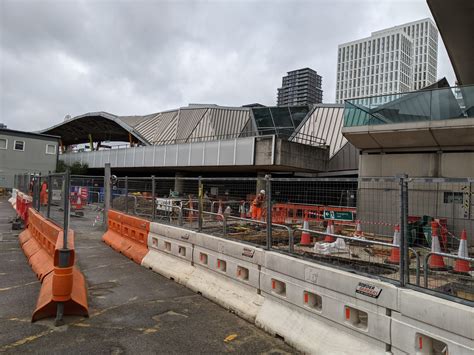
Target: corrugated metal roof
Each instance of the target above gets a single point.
(228, 121)
(187, 122)
(204, 130)
(326, 122)
(165, 130)
(147, 127)
(133, 121)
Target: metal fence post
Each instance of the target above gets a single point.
(50, 194)
(126, 194)
(200, 195)
(107, 193)
(64, 252)
(38, 198)
(268, 193)
(403, 230)
(153, 198)
(405, 251)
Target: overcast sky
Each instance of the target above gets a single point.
(140, 57)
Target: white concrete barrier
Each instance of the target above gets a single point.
(309, 334)
(169, 266)
(316, 308)
(340, 281)
(224, 271)
(358, 316)
(428, 324)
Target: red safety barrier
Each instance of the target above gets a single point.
(287, 213)
(127, 235)
(23, 203)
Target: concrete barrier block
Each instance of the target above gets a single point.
(357, 315)
(406, 334)
(232, 248)
(176, 247)
(311, 335)
(444, 314)
(236, 297)
(241, 271)
(334, 279)
(169, 266)
(173, 232)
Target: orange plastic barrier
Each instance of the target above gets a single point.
(127, 235)
(135, 230)
(112, 236)
(41, 242)
(65, 284)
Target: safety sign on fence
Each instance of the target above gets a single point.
(339, 215)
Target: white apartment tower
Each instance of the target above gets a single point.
(398, 59)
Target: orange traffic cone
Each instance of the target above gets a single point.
(395, 254)
(462, 266)
(358, 232)
(329, 230)
(305, 236)
(436, 261)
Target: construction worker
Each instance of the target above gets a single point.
(257, 205)
(44, 194)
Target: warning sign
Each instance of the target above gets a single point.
(368, 290)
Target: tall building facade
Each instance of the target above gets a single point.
(398, 59)
(300, 87)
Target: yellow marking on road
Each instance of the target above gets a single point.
(25, 340)
(16, 286)
(21, 320)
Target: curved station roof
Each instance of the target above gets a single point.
(314, 125)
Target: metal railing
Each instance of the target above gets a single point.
(288, 134)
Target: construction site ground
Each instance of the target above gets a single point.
(132, 309)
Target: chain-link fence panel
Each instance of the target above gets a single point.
(441, 222)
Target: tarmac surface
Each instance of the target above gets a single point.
(132, 309)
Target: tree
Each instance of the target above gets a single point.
(76, 168)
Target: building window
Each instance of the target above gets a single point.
(19, 145)
(50, 149)
(3, 143)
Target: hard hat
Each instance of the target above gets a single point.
(262, 192)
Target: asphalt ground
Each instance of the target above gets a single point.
(132, 309)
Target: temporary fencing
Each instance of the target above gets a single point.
(350, 221)
(283, 275)
(47, 195)
(49, 248)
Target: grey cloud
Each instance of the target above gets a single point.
(138, 57)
